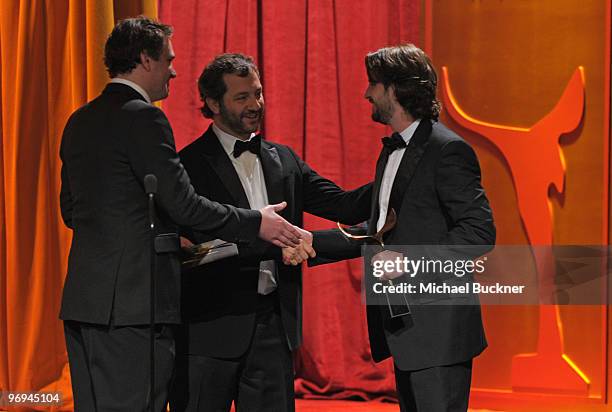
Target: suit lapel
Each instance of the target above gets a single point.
(409, 163)
(219, 161)
(273, 172)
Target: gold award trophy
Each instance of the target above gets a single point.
(397, 302)
(207, 252)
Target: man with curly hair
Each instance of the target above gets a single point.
(243, 317)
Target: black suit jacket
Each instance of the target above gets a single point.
(220, 298)
(440, 201)
(107, 148)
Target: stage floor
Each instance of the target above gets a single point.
(303, 405)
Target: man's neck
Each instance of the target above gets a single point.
(400, 121)
(134, 78)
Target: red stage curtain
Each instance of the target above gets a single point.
(311, 57)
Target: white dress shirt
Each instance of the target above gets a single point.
(133, 86)
(249, 170)
(393, 163)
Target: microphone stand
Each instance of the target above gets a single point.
(150, 183)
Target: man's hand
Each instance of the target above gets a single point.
(305, 235)
(296, 255)
(185, 242)
(186, 245)
(275, 229)
(389, 255)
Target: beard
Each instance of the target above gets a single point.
(381, 112)
(236, 121)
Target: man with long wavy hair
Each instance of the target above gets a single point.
(430, 177)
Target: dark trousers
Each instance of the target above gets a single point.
(437, 389)
(259, 380)
(109, 366)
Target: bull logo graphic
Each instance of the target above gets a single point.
(536, 163)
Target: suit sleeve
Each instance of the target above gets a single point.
(463, 198)
(151, 150)
(325, 199)
(332, 246)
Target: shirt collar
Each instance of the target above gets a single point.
(408, 132)
(134, 86)
(227, 140)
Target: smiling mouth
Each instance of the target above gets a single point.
(252, 116)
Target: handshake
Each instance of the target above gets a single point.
(295, 255)
(296, 242)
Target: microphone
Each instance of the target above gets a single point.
(150, 184)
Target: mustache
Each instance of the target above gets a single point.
(252, 112)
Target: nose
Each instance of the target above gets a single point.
(366, 94)
(256, 103)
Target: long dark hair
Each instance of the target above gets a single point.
(409, 71)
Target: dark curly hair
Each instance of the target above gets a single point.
(129, 38)
(211, 83)
(409, 71)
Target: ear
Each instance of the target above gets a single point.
(145, 61)
(391, 93)
(213, 105)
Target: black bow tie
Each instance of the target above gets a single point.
(394, 142)
(253, 146)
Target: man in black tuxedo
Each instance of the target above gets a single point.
(244, 315)
(108, 147)
(431, 178)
